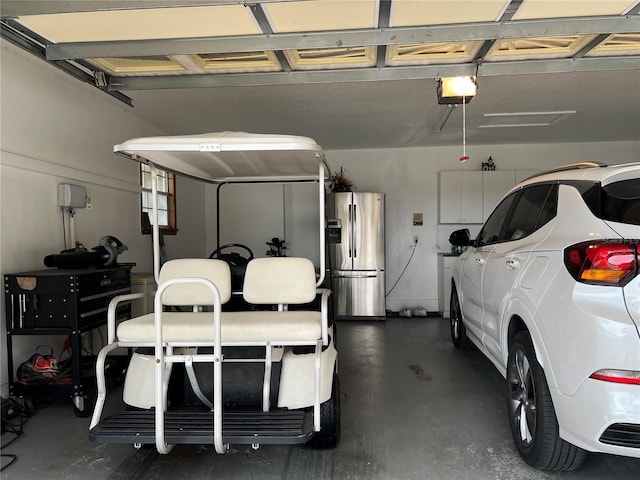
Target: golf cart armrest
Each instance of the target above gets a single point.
(111, 312)
(324, 308)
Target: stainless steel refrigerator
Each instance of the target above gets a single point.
(355, 222)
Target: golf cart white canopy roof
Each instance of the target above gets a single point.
(231, 156)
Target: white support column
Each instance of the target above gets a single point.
(266, 387)
(155, 227)
(316, 403)
(321, 195)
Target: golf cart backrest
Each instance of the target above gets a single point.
(217, 271)
(280, 280)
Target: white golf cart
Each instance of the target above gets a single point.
(204, 373)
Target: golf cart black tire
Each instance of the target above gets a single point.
(329, 434)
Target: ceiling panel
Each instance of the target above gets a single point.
(139, 66)
(571, 8)
(330, 58)
(430, 53)
(321, 15)
(239, 62)
(618, 44)
(439, 12)
(141, 24)
(542, 47)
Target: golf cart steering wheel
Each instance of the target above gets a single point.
(237, 263)
(232, 258)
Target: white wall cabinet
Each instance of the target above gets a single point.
(524, 174)
(461, 197)
(470, 197)
(494, 185)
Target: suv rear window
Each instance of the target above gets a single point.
(615, 202)
(536, 206)
(520, 214)
(621, 201)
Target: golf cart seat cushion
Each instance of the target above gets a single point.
(217, 271)
(197, 327)
(280, 280)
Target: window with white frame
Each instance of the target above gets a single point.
(166, 200)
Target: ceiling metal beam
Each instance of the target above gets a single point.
(384, 15)
(375, 74)
(511, 9)
(263, 22)
(591, 45)
(487, 45)
(17, 8)
(347, 38)
(634, 10)
(33, 44)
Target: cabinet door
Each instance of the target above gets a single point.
(471, 197)
(450, 200)
(494, 185)
(461, 197)
(524, 174)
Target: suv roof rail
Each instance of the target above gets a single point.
(571, 166)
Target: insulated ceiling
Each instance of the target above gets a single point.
(352, 73)
(159, 44)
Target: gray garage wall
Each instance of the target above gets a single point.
(253, 214)
(56, 129)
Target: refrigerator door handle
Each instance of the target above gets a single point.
(350, 231)
(355, 221)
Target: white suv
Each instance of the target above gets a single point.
(549, 291)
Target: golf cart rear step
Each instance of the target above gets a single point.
(196, 428)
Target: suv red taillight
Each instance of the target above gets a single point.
(617, 376)
(603, 262)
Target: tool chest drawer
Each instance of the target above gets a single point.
(62, 299)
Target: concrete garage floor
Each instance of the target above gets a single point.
(413, 408)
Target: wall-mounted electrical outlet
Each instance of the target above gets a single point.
(89, 204)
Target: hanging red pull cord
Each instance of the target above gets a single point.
(464, 156)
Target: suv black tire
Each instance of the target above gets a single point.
(458, 330)
(527, 392)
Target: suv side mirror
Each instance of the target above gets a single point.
(460, 238)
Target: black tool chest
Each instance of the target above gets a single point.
(66, 302)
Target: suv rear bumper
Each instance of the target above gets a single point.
(601, 417)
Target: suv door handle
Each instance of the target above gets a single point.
(512, 263)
